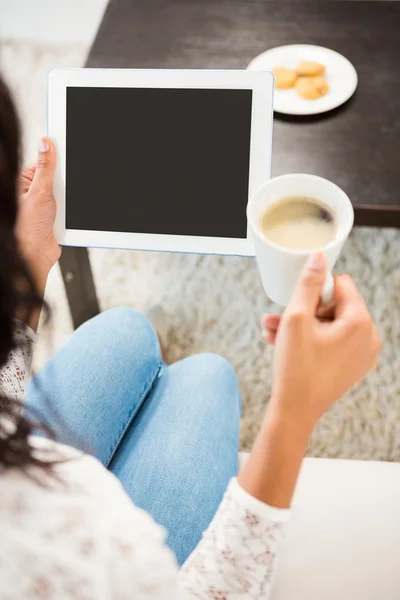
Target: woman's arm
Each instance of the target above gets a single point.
(36, 216)
(314, 364)
(274, 464)
(39, 249)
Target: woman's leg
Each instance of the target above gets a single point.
(177, 453)
(91, 389)
(182, 448)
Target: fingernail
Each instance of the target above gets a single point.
(316, 262)
(44, 145)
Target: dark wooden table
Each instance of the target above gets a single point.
(357, 145)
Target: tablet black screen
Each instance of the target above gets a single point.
(168, 161)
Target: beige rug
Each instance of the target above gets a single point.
(215, 303)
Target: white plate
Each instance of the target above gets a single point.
(340, 74)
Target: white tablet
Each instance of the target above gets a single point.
(159, 159)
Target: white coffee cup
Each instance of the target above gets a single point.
(280, 267)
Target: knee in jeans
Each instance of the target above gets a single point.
(128, 331)
(221, 375)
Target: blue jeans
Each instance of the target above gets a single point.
(169, 433)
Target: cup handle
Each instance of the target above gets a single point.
(327, 290)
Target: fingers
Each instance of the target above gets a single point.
(306, 296)
(271, 321)
(326, 312)
(270, 337)
(28, 172)
(270, 325)
(352, 317)
(45, 166)
(376, 340)
(348, 299)
(345, 289)
(347, 312)
(26, 178)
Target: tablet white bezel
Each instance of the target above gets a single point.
(260, 148)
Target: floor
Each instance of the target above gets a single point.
(51, 21)
(214, 303)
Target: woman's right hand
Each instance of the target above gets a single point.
(316, 361)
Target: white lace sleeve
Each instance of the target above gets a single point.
(14, 373)
(236, 558)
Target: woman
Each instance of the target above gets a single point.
(169, 434)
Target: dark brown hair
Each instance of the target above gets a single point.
(18, 294)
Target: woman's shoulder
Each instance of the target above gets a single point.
(75, 523)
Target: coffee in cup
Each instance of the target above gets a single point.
(298, 223)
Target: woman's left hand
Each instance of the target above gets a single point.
(37, 212)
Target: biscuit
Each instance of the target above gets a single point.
(311, 88)
(310, 68)
(284, 78)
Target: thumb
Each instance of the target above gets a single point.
(45, 166)
(306, 296)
